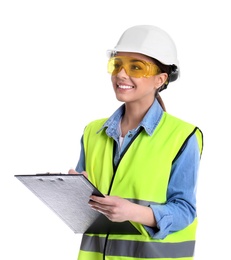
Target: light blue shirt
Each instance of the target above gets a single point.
(180, 208)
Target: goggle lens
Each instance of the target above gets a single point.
(132, 66)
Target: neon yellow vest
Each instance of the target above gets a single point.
(142, 176)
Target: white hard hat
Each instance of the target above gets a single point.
(148, 40)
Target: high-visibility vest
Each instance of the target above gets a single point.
(142, 176)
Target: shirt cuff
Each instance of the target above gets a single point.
(164, 221)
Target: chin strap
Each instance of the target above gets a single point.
(161, 101)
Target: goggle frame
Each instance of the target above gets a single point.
(133, 67)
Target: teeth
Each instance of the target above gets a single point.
(125, 87)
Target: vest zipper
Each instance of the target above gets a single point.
(122, 155)
(105, 246)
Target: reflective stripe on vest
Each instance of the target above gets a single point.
(139, 249)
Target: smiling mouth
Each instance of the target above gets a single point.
(124, 87)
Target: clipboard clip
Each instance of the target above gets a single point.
(49, 173)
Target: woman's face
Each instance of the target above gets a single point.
(132, 89)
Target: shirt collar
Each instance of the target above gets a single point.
(149, 121)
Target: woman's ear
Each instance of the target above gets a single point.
(161, 79)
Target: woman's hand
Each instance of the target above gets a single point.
(114, 208)
(118, 209)
(72, 171)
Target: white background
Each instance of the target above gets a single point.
(53, 81)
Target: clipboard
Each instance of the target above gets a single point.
(67, 195)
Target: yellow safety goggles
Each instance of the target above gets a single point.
(133, 67)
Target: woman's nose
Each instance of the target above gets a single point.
(122, 73)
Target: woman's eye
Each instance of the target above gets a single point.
(117, 65)
(135, 67)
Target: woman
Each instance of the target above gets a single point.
(143, 159)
